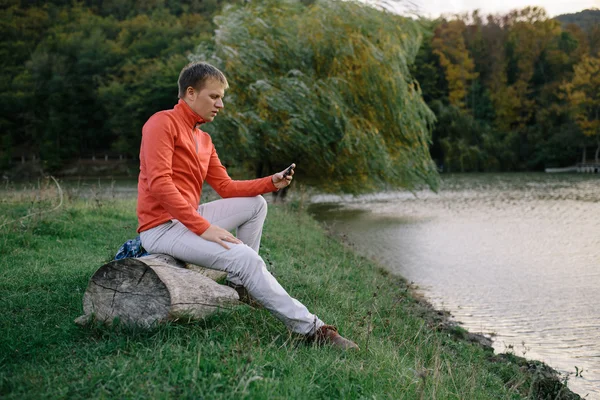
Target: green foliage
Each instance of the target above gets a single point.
(583, 95)
(449, 45)
(146, 80)
(468, 144)
(80, 79)
(62, 112)
(511, 116)
(337, 87)
(426, 69)
(339, 102)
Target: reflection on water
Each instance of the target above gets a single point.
(516, 256)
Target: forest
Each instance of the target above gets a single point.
(365, 99)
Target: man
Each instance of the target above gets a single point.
(176, 157)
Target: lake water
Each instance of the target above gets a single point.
(513, 256)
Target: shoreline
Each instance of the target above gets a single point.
(551, 381)
(460, 248)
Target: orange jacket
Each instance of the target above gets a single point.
(176, 157)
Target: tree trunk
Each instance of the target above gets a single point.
(153, 289)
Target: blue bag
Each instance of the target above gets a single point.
(131, 249)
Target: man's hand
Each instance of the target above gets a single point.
(280, 181)
(219, 235)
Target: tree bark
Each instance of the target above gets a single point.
(153, 289)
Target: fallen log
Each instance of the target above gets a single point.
(153, 289)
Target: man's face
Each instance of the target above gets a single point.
(208, 101)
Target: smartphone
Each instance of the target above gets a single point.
(288, 170)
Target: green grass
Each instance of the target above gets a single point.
(407, 351)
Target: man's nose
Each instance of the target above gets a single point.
(220, 104)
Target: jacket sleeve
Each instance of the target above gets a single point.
(158, 145)
(219, 179)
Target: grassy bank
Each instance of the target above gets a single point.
(408, 352)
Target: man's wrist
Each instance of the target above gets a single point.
(273, 183)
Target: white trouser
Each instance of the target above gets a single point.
(242, 262)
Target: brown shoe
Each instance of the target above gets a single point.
(328, 334)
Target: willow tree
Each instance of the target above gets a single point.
(325, 86)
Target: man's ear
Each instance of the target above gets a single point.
(190, 93)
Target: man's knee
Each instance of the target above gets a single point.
(245, 262)
(242, 254)
(260, 205)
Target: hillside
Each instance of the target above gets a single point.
(585, 19)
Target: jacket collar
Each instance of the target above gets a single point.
(189, 116)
